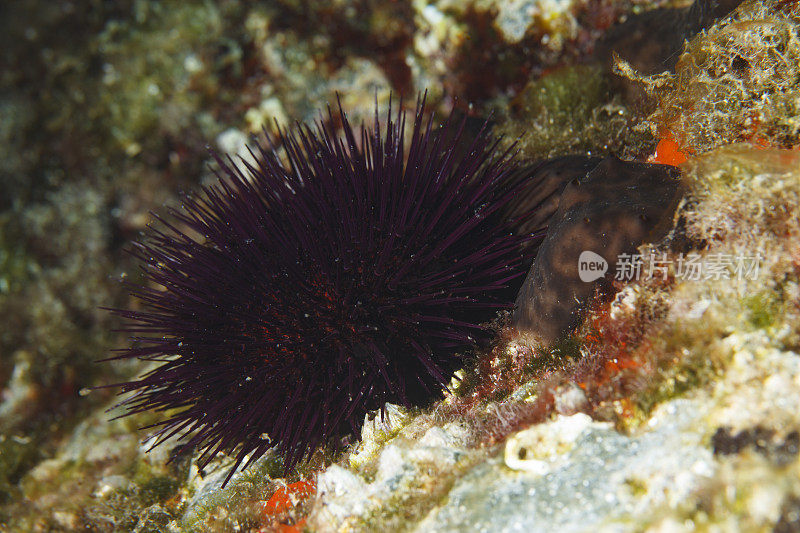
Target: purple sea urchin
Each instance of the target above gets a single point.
(294, 297)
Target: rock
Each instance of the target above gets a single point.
(345, 494)
(375, 432)
(569, 399)
(591, 475)
(539, 448)
(555, 18)
(652, 41)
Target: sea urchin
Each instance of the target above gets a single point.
(338, 273)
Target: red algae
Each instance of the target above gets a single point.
(613, 359)
(285, 497)
(669, 152)
(277, 510)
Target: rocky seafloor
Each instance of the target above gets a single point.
(674, 405)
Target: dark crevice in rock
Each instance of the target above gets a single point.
(761, 440)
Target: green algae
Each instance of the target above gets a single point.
(732, 188)
(233, 507)
(16, 456)
(571, 110)
(147, 93)
(411, 502)
(157, 489)
(764, 308)
(15, 265)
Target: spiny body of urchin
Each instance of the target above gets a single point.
(337, 274)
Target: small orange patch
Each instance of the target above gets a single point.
(787, 154)
(275, 511)
(287, 497)
(668, 152)
(620, 363)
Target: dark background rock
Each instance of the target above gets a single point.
(652, 41)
